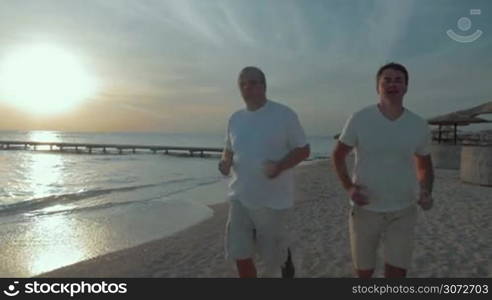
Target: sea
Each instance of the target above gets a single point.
(60, 208)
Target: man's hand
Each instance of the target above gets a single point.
(425, 200)
(358, 194)
(225, 166)
(271, 169)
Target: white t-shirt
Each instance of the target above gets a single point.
(268, 133)
(385, 152)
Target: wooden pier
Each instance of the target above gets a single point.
(105, 148)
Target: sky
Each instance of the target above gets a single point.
(172, 65)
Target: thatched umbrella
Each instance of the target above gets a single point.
(456, 119)
(485, 108)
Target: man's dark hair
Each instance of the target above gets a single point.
(393, 66)
(253, 69)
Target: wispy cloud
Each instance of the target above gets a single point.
(320, 56)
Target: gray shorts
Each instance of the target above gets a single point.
(271, 238)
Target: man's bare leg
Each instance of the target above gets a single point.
(246, 268)
(365, 273)
(394, 272)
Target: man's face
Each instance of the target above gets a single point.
(392, 84)
(251, 86)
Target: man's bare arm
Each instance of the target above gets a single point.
(226, 162)
(354, 191)
(292, 159)
(227, 155)
(339, 156)
(425, 173)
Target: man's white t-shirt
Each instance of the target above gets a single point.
(385, 152)
(255, 137)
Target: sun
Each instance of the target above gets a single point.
(44, 79)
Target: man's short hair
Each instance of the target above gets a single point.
(255, 70)
(393, 66)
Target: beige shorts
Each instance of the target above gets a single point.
(396, 229)
(257, 230)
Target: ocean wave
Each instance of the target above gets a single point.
(112, 204)
(36, 204)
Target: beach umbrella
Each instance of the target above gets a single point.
(485, 108)
(462, 118)
(455, 119)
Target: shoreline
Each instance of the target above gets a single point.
(452, 240)
(143, 256)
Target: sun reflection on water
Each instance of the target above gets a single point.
(44, 170)
(55, 243)
(55, 238)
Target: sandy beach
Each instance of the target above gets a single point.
(454, 239)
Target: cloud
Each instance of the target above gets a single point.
(320, 57)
